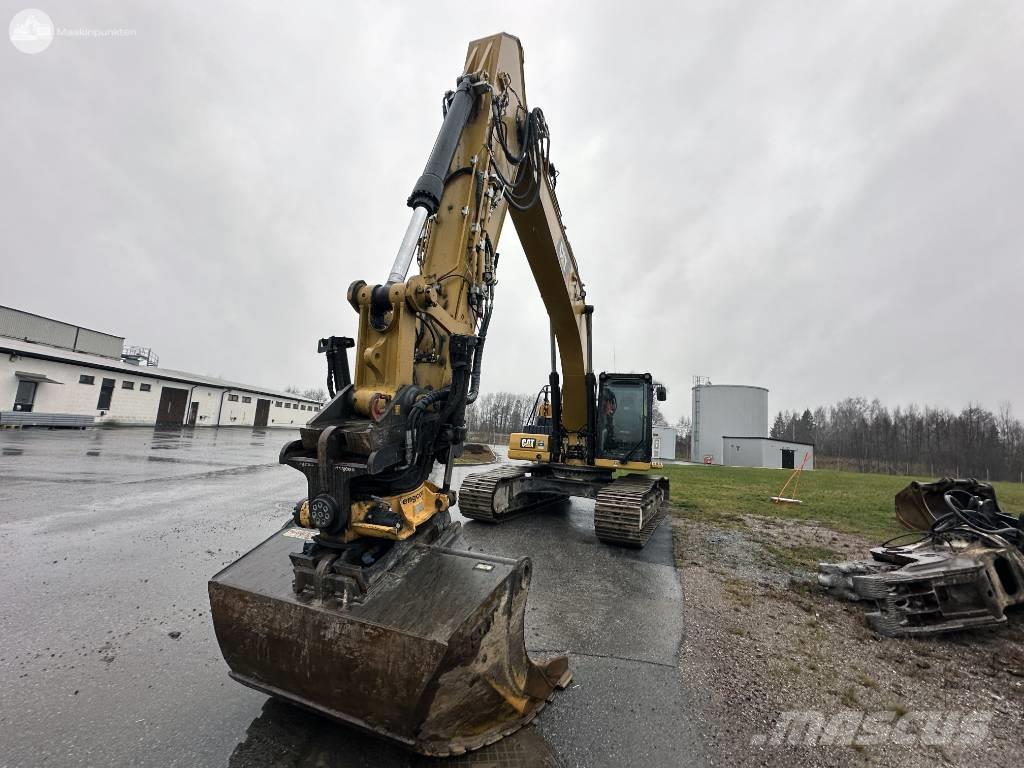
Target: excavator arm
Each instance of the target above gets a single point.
(380, 622)
(420, 349)
(554, 268)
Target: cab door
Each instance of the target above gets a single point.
(625, 417)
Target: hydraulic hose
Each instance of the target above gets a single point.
(478, 358)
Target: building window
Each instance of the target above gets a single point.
(143, 387)
(246, 399)
(83, 379)
(232, 398)
(277, 404)
(287, 405)
(127, 385)
(106, 394)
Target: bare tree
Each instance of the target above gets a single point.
(867, 436)
(316, 393)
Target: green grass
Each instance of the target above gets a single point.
(805, 556)
(849, 502)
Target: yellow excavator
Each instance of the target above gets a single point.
(362, 608)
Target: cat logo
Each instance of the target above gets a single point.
(527, 442)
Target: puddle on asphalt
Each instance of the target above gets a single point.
(13, 451)
(284, 736)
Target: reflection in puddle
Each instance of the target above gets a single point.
(93, 452)
(13, 451)
(284, 736)
(171, 437)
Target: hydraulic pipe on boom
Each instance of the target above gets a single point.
(426, 194)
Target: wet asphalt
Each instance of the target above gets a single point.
(108, 656)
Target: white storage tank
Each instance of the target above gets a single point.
(725, 409)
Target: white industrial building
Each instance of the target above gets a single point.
(664, 443)
(766, 452)
(730, 426)
(57, 374)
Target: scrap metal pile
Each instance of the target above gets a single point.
(963, 571)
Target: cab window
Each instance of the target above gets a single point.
(622, 420)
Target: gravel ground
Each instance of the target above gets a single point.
(762, 641)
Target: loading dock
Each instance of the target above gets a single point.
(262, 413)
(172, 406)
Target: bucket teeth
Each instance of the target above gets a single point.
(434, 658)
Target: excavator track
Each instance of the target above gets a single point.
(491, 497)
(630, 508)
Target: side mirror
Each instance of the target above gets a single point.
(661, 393)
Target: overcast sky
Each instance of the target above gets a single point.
(823, 198)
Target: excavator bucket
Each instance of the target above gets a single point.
(432, 657)
(919, 504)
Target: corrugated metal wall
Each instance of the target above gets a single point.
(16, 324)
(99, 343)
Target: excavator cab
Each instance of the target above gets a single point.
(619, 436)
(540, 415)
(625, 417)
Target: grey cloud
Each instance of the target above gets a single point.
(808, 196)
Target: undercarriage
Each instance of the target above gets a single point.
(627, 511)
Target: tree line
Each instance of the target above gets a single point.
(866, 436)
(853, 434)
(313, 393)
(496, 415)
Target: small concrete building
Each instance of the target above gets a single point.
(664, 447)
(766, 452)
(57, 374)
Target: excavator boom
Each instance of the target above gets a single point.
(363, 608)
